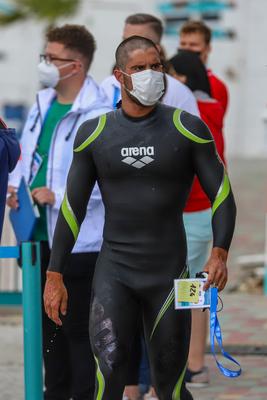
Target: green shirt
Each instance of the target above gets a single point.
(55, 113)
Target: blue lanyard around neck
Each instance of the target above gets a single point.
(215, 332)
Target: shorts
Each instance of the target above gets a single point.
(198, 235)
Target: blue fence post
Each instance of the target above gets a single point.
(32, 321)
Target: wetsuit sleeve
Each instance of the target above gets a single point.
(80, 183)
(214, 180)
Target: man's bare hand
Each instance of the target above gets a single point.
(55, 296)
(12, 199)
(216, 269)
(43, 195)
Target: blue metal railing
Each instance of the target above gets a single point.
(10, 298)
(32, 315)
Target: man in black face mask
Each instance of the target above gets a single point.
(195, 37)
(144, 158)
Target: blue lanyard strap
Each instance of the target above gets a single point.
(215, 332)
(116, 96)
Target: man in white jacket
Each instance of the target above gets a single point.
(70, 98)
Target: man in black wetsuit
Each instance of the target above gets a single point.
(144, 157)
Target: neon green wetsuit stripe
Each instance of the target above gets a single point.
(177, 122)
(222, 194)
(94, 135)
(163, 309)
(167, 303)
(100, 380)
(176, 394)
(70, 217)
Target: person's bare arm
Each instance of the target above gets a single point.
(214, 180)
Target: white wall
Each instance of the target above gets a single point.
(245, 132)
(23, 42)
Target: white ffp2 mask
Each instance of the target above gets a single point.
(49, 74)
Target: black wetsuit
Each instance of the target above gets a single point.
(144, 168)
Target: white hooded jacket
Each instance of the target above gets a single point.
(89, 103)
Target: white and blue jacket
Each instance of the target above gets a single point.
(89, 103)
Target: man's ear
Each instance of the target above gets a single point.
(161, 52)
(158, 46)
(209, 48)
(78, 65)
(118, 75)
(206, 54)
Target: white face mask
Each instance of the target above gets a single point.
(148, 86)
(49, 74)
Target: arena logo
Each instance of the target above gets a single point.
(130, 154)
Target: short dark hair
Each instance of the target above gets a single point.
(192, 26)
(142, 19)
(74, 37)
(130, 44)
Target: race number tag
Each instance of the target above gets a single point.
(189, 293)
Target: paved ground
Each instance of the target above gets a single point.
(249, 182)
(251, 385)
(11, 357)
(243, 319)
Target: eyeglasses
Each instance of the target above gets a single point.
(48, 59)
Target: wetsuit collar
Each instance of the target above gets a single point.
(146, 117)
